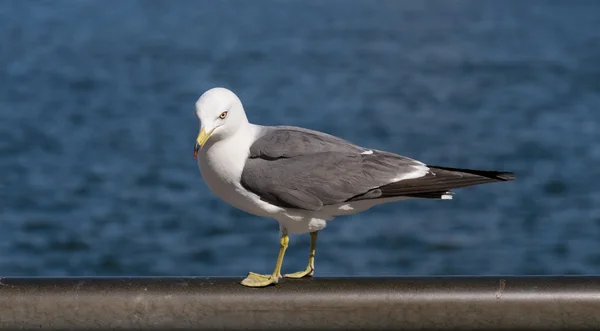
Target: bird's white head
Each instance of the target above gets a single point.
(221, 115)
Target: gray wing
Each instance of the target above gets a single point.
(289, 141)
(299, 168)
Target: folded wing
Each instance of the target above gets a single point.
(305, 169)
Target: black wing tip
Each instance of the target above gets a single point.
(506, 176)
(502, 176)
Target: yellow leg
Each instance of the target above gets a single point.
(310, 269)
(258, 280)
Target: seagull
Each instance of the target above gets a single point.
(304, 178)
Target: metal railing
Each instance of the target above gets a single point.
(444, 303)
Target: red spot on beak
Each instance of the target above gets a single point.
(196, 149)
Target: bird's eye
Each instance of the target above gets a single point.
(223, 115)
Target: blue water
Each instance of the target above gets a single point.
(97, 129)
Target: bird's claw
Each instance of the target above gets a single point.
(258, 280)
(308, 272)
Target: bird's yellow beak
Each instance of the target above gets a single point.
(201, 140)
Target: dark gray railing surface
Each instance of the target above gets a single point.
(445, 303)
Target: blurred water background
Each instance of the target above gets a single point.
(97, 129)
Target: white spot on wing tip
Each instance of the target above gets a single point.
(446, 197)
(369, 152)
(418, 171)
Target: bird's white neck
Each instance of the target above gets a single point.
(226, 158)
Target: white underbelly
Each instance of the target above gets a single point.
(230, 190)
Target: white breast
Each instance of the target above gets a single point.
(221, 165)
